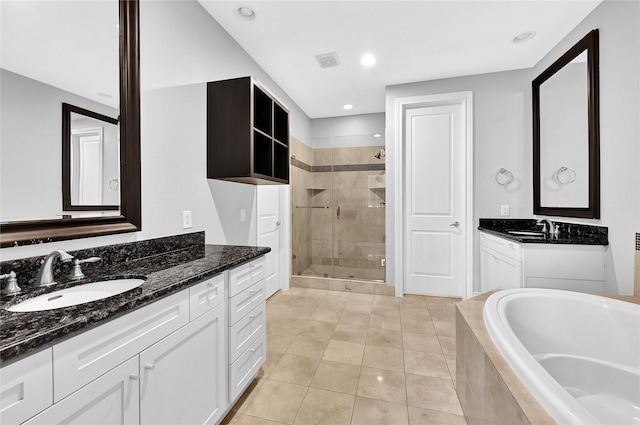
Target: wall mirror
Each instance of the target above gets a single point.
(90, 160)
(566, 134)
(107, 82)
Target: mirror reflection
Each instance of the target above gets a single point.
(53, 52)
(91, 158)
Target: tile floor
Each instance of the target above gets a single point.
(345, 358)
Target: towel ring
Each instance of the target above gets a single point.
(113, 184)
(508, 177)
(570, 175)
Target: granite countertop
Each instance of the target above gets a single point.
(570, 233)
(25, 333)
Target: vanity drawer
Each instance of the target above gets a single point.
(241, 304)
(246, 275)
(242, 371)
(502, 246)
(246, 331)
(83, 358)
(27, 388)
(206, 296)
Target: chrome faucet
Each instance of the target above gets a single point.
(547, 226)
(45, 274)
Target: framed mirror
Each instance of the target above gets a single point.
(566, 134)
(90, 160)
(21, 231)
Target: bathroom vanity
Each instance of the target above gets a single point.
(181, 348)
(517, 254)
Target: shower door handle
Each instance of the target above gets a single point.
(338, 212)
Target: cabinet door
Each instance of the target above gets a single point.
(111, 399)
(509, 273)
(183, 375)
(488, 270)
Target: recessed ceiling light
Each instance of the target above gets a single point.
(522, 37)
(347, 106)
(246, 13)
(377, 135)
(367, 60)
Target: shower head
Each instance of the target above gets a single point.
(380, 154)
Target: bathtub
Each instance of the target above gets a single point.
(578, 354)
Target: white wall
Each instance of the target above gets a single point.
(618, 23)
(347, 126)
(182, 47)
(502, 117)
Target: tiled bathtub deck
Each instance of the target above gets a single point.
(349, 358)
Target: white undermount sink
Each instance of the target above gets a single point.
(75, 295)
(524, 233)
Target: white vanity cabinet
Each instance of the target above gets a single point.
(506, 264)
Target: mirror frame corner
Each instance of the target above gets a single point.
(588, 43)
(130, 218)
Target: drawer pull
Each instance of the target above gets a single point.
(150, 366)
(252, 291)
(251, 316)
(134, 376)
(253, 350)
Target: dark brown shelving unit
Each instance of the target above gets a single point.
(247, 133)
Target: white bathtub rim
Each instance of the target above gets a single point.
(562, 406)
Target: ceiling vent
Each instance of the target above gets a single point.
(328, 60)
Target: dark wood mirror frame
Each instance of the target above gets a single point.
(67, 204)
(589, 44)
(130, 218)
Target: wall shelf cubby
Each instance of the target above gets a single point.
(247, 133)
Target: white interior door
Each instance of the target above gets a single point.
(269, 231)
(434, 200)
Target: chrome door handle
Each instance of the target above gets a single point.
(455, 224)
(278, 223)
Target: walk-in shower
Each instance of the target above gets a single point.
(338, 200)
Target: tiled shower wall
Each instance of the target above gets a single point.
(353, 179)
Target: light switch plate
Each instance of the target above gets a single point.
(504, 210)
(186, 220)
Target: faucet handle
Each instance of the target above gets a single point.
(76, 272)
(12, 284)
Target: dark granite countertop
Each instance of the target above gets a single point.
(25, 333)
(570, 233)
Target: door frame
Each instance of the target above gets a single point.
(401, 105)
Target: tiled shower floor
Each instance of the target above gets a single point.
(346, 358)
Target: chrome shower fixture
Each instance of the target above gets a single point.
(380, 154)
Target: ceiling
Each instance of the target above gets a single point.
(411, 40)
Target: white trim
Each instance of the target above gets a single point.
(285, 237)
(401, 104)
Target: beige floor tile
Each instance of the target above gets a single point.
(385, 322)
(241, 404)
(333, 304)
(305, 302)
(418, 416)
(307, 347)
(295, 369)
(448, 344)
(445, 328)
(413, 301)
(451, 362)
(377, 412)
(318, 330)
(383, 358)
(344, 352)
(324, 315)
(415, 313)
(442, 313)
(386, 310)
(350, 334)
(302, 313)
(275, 401)
(285, 325)
(339, 377)
(417, 325)
(421, 342)
(280, 297)
(384, 338)
(354, 307)
(278, 342)
(385, 301)
(361, 298)
(241, 419)
(382, 385)
(315, 292)
(354, 319)
(321, 407)
(269, 364)
(432, 393)
(276, 310)
(337, 295)
(426, 364)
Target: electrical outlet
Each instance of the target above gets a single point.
(243, 215)
(504, 210)
(186, 220)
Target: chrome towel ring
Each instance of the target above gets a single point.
(504, 177)
(564, 175)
